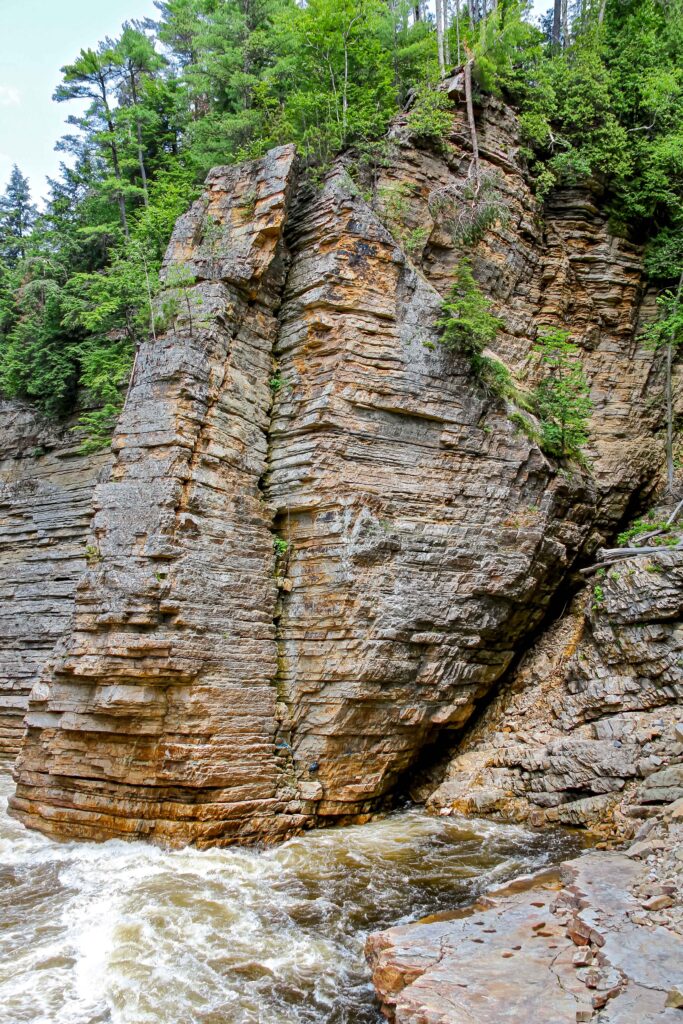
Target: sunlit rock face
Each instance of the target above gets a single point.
(320, 542)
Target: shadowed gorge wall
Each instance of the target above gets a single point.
(320, 542)
(46, 489)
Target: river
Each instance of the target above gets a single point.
(127, 933)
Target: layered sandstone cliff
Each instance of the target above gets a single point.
(46, 487)
(321, 542)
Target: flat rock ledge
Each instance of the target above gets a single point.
(603, 944)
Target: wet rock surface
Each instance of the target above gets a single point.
(606, 947)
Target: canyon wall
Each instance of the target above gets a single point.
(46, 487)
(321, 542)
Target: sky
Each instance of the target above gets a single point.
(37, 37)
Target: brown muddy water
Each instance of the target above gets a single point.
(127, 933)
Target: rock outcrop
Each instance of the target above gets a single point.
(606, 947)
(589, 729)
(321, 542)
(46, 487)
(558, 264)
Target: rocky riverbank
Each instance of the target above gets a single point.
(603, 944)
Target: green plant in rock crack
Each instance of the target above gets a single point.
(564, 405)
(598, 597)
(93, 554)
(468, 326)
(281, 546)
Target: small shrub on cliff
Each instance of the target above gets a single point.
(431, 118)
(564, 406)
(468, 326)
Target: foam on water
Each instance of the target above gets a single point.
(127, 933)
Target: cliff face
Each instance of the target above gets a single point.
(320, 542)
(45, 509)
(588, 730)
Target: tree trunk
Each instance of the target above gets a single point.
(601, 12)
(439, 37)
(557, 24)
(565, 26)
(446, 40)
(457, 29)
(114, 153)
(670, 397)
(470, 118)
(141, 159)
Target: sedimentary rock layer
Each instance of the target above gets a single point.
(588, 729)
(553, 263)
(46, 488)
(425, 533)
(213, 689)
(157, 716)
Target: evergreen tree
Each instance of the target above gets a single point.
(562, 396)
(17, 215)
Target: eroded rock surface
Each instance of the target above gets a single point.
(589, 729)
(321, 542)
(556, 264)
(607, 947)
(46, 489)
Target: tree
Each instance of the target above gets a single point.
(136, 60)
(467, 326)
(17, 215)
(667, 334)
(562, 395)
(92, 76)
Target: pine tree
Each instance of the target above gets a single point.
(17, 214)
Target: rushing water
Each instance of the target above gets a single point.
(128, 933)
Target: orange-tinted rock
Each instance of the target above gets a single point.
(214, 690)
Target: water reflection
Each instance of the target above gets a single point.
(130, 934)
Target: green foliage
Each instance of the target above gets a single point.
(17, 216)
(668, 328)
(431, 117)
(562, 396)
(281, 547)
(467, 324)
(646, 525)
(217, 82)
(467, 210)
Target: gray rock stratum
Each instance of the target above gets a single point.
(46, 489)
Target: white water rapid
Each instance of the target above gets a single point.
(127, 933)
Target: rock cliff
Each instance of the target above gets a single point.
(320, 542)
(46, 488)
(588, 730)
